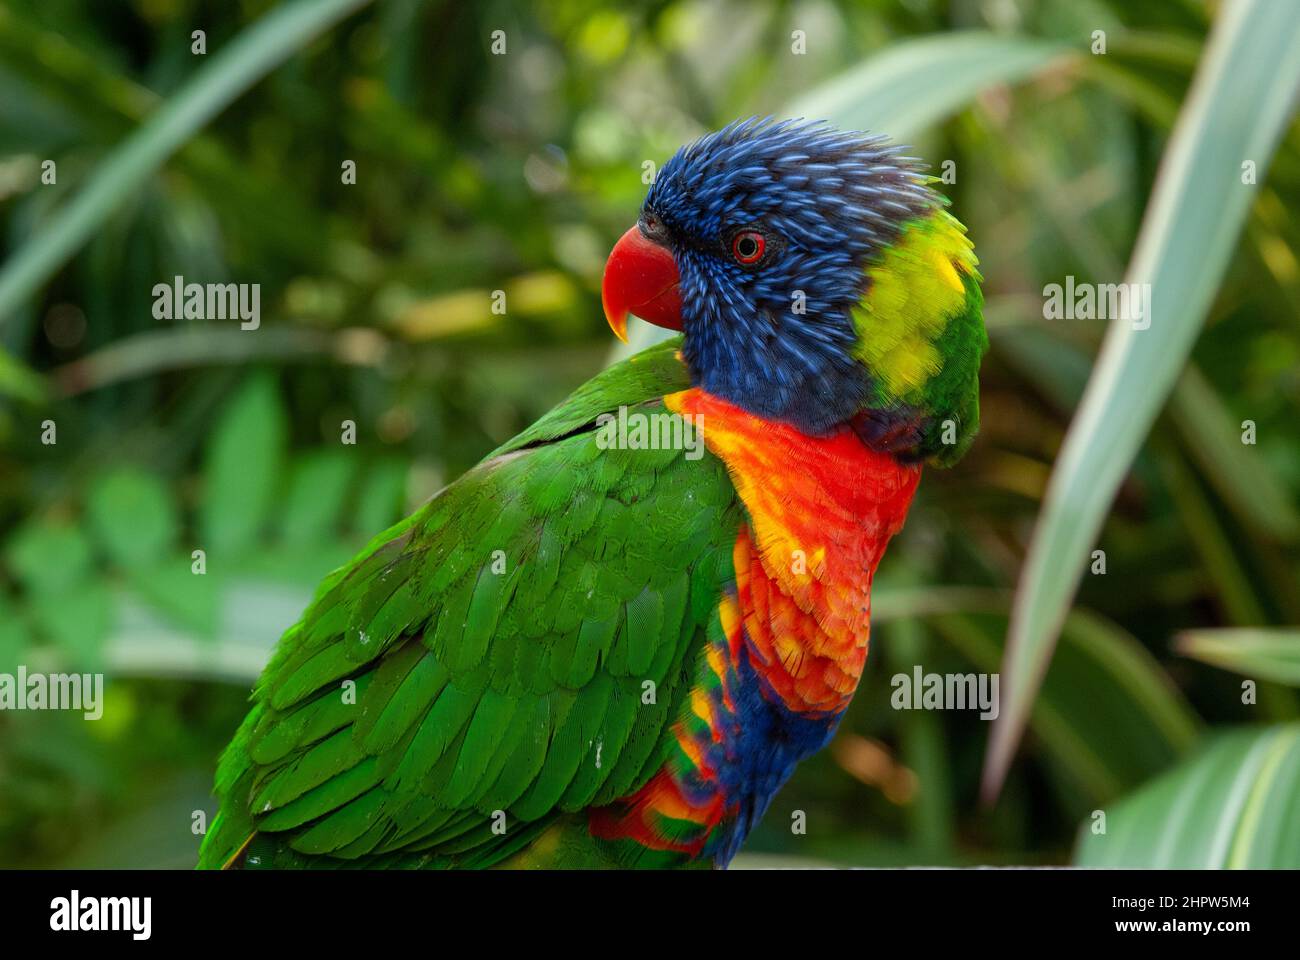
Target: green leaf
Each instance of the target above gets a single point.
(242, 469)
(1191, 226)
(317, 490)
(17, 380)
(187, 599)
(49, 556)
(14, 642)
(304, 565)
(1265, 654)
(382, 500)
(76, 621)
(1243, 477)
(917, 83)
(1108, 714)
(251, 615)
(221, 79)
(1106, 718)
(1232, 805)
(132, 514)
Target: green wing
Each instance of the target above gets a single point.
(489, 656)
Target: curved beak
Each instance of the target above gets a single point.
(641, 278)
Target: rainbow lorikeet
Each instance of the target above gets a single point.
(597, 650)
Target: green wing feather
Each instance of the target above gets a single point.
(422, 692)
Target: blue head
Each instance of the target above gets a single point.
(770, 227)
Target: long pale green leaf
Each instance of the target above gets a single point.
(1241, 475)
(1234, 805)
(1253, 652)
(223, 78)
(1240, 101)
(919, 82)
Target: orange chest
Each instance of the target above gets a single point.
(821, 511)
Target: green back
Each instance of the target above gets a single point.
(512, 652)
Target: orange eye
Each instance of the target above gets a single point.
(748, 246)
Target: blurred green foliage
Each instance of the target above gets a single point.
(477, 173)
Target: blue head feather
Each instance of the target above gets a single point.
(777, 337)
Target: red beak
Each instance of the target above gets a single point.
(641, 278)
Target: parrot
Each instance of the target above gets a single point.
(594, 650)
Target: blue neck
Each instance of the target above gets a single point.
(764, 750)
(797, 368)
